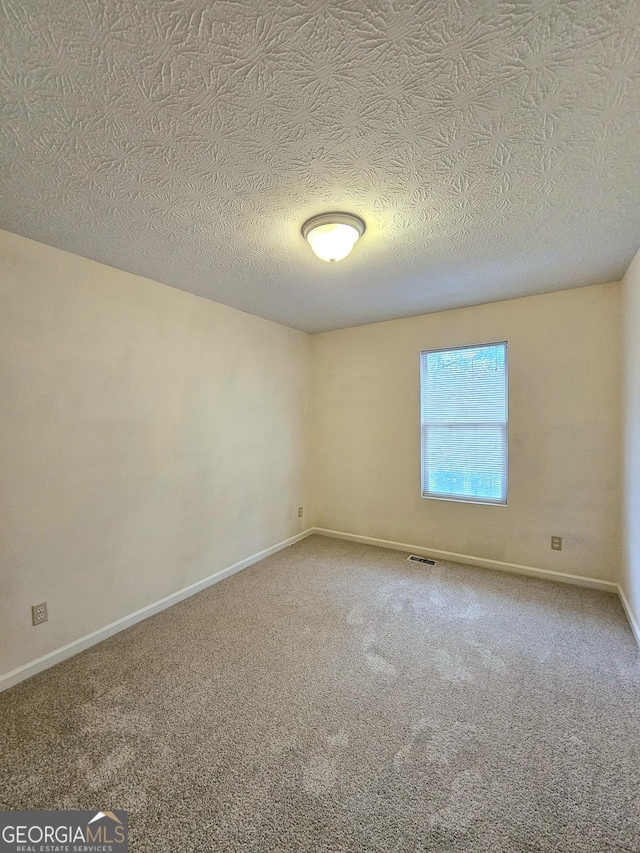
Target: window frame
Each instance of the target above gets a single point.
(423, 427)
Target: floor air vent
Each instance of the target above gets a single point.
(413, 559)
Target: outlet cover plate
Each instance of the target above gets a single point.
(39, 613)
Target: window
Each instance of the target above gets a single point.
(463, 405)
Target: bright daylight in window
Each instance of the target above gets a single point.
(463, 404)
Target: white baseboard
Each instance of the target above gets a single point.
(58, 655)
(71, 649)
(514, 568)
(635, 628)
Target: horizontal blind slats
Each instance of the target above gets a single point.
(464, 423)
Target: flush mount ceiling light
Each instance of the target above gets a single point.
(333, 235)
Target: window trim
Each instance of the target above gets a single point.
(457, 498)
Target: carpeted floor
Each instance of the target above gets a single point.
(336, 698)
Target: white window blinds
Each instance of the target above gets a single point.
(463, 402)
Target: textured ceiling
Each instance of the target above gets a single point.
(491, 147)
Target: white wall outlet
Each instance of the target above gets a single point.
(39, 613)
(556, 543)
(299, 512)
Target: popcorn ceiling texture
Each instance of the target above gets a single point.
(490, 146)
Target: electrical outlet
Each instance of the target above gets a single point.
(39, 613)
(299, 512)
(556, 543)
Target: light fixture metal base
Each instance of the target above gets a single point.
(334, 218)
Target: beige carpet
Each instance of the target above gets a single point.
(336, 698)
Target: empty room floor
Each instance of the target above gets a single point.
(335, 697)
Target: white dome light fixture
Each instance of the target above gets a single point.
(333, 235)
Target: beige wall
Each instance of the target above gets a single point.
(149, 439)
(631, 313)
(564, 432)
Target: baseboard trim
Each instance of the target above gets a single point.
(513, 568)
(635, 628)
(14, 677)
(58, 655)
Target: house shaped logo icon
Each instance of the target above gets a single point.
(110, 815)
